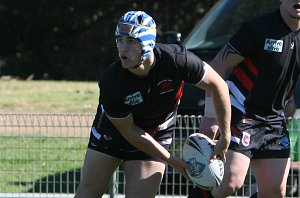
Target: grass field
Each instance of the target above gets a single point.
(48, 96)
(40, 164)
(35, 163)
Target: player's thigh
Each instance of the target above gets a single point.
(143, 177)
(97, 171)
(236, 168)
(271, 175)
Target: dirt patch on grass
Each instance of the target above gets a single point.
(45, 124)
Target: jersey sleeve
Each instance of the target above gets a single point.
(111, 101)
(244, 41)
(193, 69)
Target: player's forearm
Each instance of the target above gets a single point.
(137, 137)
(221, 101)
(146, 143)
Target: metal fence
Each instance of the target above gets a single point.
(43, 154)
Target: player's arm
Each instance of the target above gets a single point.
(142, 140)
(225, 60)
(290, 107)
(136, 136)
(213, 83)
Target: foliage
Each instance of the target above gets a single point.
(74, 39)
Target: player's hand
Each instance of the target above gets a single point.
(221, 148)
(179, 165)
(209, 127)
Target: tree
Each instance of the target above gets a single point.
(74, 39)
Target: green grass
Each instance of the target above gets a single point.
(48, 96)
(40, 164)
(37, 163)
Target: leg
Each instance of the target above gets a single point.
(236, 168)
(96, 174)
(143, 178)
(271, 176)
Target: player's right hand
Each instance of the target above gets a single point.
(179, 165)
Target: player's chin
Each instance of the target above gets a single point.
(127, 65)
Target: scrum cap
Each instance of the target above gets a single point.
(141, 26)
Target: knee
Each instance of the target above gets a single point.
(235, 182)
(227, 188)
(235, 186)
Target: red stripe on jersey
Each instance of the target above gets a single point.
(235, 131)
(179, 92)
(251, 66)
(243, 78)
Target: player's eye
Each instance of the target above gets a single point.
(132, 41)
(119, 40)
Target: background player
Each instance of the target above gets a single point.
(264, 57)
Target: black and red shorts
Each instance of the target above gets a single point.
(258, 139)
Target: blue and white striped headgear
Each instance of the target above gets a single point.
(141, 26)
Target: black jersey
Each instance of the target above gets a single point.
(152, 100)
(262, 83)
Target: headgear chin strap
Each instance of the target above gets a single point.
(141, 26)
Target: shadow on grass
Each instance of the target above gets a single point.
(66, 182)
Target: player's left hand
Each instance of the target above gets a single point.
(221, 148)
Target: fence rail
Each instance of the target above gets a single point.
(43, 154)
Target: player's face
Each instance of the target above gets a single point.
(129, 51)
(292, 8)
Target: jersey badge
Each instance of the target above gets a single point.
(165, 86)
(246, 139)
(273, 45)
(134, 99)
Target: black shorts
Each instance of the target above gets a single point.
(119, 147)
(257, 139)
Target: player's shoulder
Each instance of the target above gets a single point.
(112, 74)
(270, 19)
(171, 49)
(174, 53)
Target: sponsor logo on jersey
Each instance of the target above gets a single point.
(273, 45)
(134, 99)
(165, 86)
(246, 139)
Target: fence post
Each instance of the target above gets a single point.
(112, 186)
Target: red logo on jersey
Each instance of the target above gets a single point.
(165, 86)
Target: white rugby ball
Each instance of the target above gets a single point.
(197, 151)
